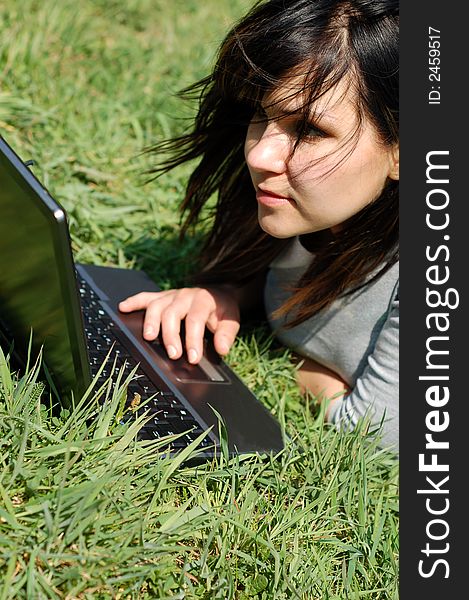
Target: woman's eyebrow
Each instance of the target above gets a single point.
(279, 111)
(323, 115)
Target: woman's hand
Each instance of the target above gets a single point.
(215, 308)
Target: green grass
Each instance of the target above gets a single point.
(85, 511)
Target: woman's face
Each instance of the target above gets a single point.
(299, 193)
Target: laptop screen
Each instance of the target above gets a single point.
(37, 275)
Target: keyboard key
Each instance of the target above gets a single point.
(170, 415)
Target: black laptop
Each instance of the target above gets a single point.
(72, 311)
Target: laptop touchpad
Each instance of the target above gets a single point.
(182, 370)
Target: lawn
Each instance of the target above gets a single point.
(86, 511)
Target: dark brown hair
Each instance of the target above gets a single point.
(330, 40)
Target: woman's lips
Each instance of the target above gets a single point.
(268, 198)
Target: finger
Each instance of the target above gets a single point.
(171, 318)
(152, 320)
(139, 301)
(226, 331)
(225, 327)
(225, 335)
(196, 321)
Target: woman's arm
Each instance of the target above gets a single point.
(249, 296)
(376, 391)
(320, 381)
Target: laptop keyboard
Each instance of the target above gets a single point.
(169, 415)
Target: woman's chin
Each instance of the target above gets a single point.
(275, 226)
(275, 230)
(281, 229)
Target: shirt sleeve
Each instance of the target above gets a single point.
(376, 391)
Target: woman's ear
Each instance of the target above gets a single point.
(394, 163)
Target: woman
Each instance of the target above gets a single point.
(297, 132)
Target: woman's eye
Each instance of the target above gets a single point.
(309, 130)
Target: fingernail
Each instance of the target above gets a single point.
(192, 355)
(171, 350)
(224, 349)
(149, 331)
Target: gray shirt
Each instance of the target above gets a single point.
(357, 337)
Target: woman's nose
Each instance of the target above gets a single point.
(267, 149)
